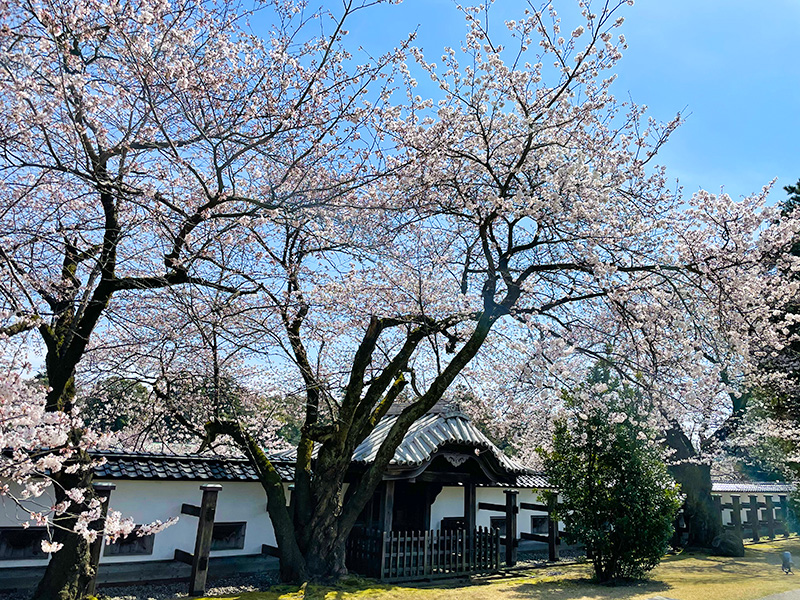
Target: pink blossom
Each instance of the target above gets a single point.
(49, 547)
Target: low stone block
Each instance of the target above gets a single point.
(727, 543)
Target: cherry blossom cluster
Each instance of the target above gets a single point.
(523, 188)
(36, 446)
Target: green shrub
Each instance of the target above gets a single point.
(619, 501)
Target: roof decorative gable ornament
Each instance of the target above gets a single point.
(455, 459)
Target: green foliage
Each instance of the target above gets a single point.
(290, 431)
(787, 359)
(113, 404)
(761, 457)
(793, 201)
(619, 501)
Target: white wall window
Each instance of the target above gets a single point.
(131, 545)
(18, 543)
(228, 536)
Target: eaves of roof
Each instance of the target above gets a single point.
(169, 467)
(424, 439)
(752, 487)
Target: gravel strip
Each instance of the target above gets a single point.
(216, 587)
(538, 558)
(167, 591)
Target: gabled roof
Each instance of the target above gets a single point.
(440, 428)
(429, 434)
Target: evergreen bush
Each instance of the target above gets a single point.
(618, 499)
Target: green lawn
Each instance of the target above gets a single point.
(685, 577)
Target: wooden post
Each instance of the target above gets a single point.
(770, 516)
(202, 544)
(496, 538)
(753, 517)
(470, 511)
(737, 515)
(718, 505)
(784, 514)
(387, 506)
(552, 529)
(426, 551)
(383, 570)
(103, 493)
(511, 527)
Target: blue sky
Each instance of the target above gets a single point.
(733, 66)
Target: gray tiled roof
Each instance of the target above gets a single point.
(119, 465)
(752, 487)
(533, 480)
(424, 438)
(427, 435)
(427, 432)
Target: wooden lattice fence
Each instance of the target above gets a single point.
(409, 555)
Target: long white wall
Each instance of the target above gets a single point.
(727, 513)
(11, 515)
(148, 501)
(496, 496)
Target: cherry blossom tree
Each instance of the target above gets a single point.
(773, 439)
(598, 258)
(136, 134)
(700, 371)
(520, 233)
(204, 367)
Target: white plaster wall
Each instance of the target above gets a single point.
(449, 503)
(147, 501)
(11, 515)
(727, 513)
(496, 496)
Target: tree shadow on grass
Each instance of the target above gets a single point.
(569, 589)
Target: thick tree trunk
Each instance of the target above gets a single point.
(67, 579)
(292, 561)
(699, 510)
(318, 545)
(292, 565)
(69, 571)
(325, 548)
(325, 554)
